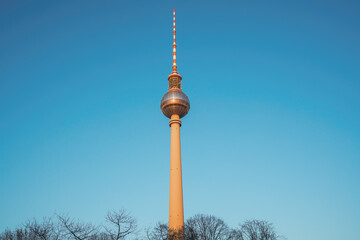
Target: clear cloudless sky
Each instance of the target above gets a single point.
(273, 132)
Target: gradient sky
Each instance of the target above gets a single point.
(273, 132)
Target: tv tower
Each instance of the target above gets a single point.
(175, 105)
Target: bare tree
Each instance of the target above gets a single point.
(18, 234)
(236, 234)
(159, 232)
(77, 230)
(7, 235)
(258, 230)
(206, 227)
(46, 230)
(120, 224)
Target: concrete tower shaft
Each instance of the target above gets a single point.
(176, 208)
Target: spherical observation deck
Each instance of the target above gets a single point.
(175, 102)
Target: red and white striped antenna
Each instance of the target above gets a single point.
(174, 47)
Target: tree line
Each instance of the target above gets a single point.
(121, 225)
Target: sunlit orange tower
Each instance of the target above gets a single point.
(175, 105)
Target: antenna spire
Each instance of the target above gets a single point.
(174, 47)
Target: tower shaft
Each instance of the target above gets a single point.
(176, 210)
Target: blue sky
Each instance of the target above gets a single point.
(273, 132)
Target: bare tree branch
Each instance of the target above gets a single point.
(76, 230)
(120, 224)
